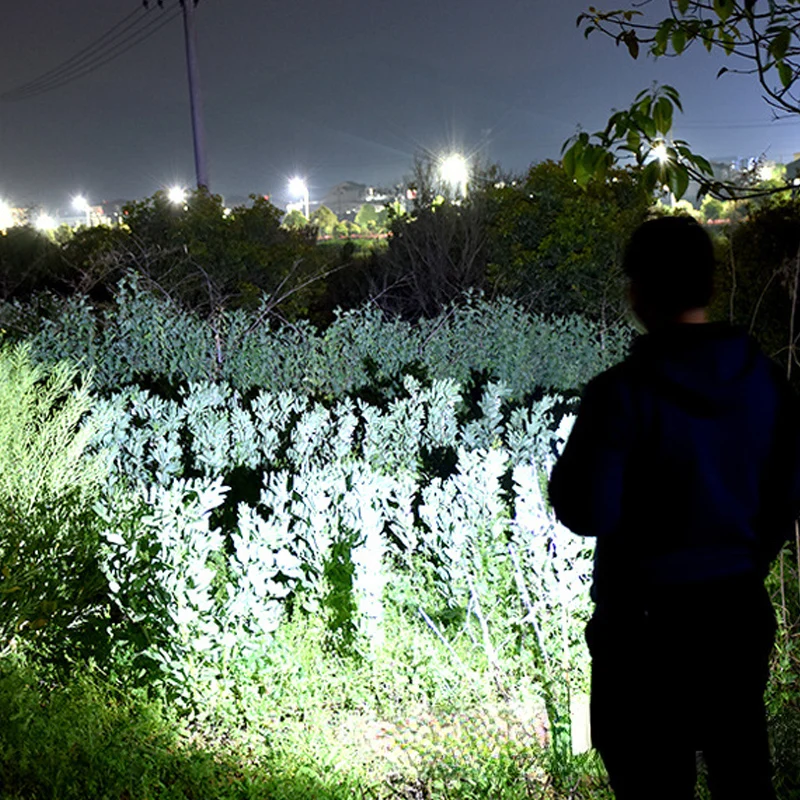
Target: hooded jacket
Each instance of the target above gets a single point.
(684, 462)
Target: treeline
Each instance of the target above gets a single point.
(539, 240)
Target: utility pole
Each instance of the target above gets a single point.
(198, 131)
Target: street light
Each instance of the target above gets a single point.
(298, 188)
(177, 195)
(454, 171)
(80, 203)
(6, 217)
(44, 222)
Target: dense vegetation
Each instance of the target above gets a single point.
(272, 513)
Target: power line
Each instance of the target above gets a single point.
(84, 53)
(102, 51)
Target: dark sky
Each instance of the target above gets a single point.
(335, 90)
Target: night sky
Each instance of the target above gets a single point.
(335, 90)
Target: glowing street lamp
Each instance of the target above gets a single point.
(80, 203)
(454, 171)
(44, 222)
(177, 195)
(6, 217)
(298, 188)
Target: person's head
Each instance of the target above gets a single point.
(669, 262)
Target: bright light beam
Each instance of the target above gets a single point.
(177, 195)
(6, 217)
(454, 171)
(299, 188)
(660, 153)
(44, 222)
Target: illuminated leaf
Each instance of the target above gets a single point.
(672, 93)
(662, 115)
(651, 175)
(678, 180)
(645, 124)
(569, 161)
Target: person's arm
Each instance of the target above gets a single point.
(587, 481)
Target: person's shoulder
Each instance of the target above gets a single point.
(620, 376)
(614, 385)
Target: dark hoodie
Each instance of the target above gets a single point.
(684, 462)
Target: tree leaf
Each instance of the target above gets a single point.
(661, 39)
(679, 40)
(651, 175)
(728, 42)
(662, 115)
(785, 73)
(683, 6)
(632, 42)
(645, 124)
(702, 164)
(674, 95)
(723, 8)
(634, 141)
(678, 179)
(780, 44)
(569, 159)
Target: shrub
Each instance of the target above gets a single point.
(50, 582)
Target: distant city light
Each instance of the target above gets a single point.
(299, 188)
(44, 222)
(6, 217)
(80, 203)
(766, 172)
(454, 171)
(177, 195)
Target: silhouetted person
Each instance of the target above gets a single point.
(683, 463)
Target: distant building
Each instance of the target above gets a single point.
(345, 199)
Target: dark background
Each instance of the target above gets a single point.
(335, 91)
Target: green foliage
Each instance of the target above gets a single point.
(151, 341)
(89, 738)
(641, 135)
(354, 495)
(28, 262)
(49, 577)
(556, 248)
(207, 257)
(758, 279)
(324, 220)
(434, 257)
(763, 41)
(295, 220)
(367, 217)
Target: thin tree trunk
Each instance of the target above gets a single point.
(789, 364)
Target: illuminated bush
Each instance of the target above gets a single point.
(146, 339)
(50, 583)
